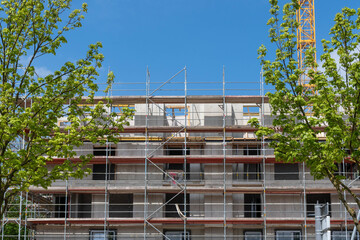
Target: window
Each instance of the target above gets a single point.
(348, 170)
(99, 171)
(121, 205)
(288, 235)
(176, 171)
(286, 171)
(253, 235)
(252, 205)
(177, 235)
(312, 199)
(175, 151)
(252, 171)
(101, 151)
(341, 235)
(84, 205)
(99, 234)
(247, 150)
(251, 151)
(60, 206)
(170, 208)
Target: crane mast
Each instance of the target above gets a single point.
(305, 37)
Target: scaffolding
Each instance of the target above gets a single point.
(188, 167)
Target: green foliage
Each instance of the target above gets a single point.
(30, 106)
(331, 106)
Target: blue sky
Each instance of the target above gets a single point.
(166, 35)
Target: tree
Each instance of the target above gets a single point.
(30, 106)
(329, 104)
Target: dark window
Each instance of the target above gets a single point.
(99, 234)
(121, 205)
(84, 205)
(171, 151)
(312, 199)
(286, 171)
(170, 208)
(346, 169)
(252, 205)
(246, 150)
(251, 151)
(176, 170)
(101, 151)
(60, 206)
(288, 235)
(99, 171)
(177, 235)
(252, 171)
(253, 235)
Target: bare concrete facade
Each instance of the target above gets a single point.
(188, 169)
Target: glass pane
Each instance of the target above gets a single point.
(288, 235)
(341, 235)
(253, 236)
(99, 235)
(177, 235)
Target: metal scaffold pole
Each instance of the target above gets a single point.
(107, 176)
(66, 206)
(26, 213)
(185, 154)
(146, 152)
(20, 216)
(224, 152)
(66, 195)
(304, 200)
(263, 152)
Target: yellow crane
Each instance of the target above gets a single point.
(305, 36)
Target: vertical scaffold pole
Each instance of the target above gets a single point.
(263, 152)
(20, 216)
(106, 198)
(66, 206)
(26, 213)
(107, 175)
(185, 153)
(304, 200)
(66, 194)
(146, 151)
(224, 151)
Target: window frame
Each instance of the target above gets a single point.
(253, 231)
(188, 233)
(91, 231)
(287, 230)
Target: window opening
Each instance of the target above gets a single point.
(312, 199)
(121, 205)
(101, 151)
(288, 235)
(99, 171)
(348, 170)
(101, 234)
(252, 171)
(60, 206)
(341, 235)
(177, 235)
(252, 205)
(253, 235)
(84, 205)
(170, 208)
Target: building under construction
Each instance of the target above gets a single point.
(187, 167)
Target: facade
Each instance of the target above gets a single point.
(187, 167)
